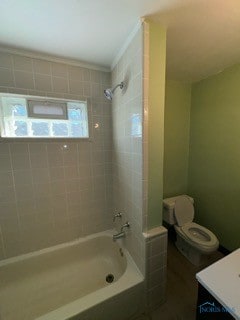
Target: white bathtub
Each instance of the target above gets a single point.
(69, 282)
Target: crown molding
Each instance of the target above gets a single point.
(126, 43)
(43, 56)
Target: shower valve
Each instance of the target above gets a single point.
(117, 215)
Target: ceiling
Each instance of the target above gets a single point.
(203, 35)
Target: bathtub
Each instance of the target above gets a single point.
(91, 278)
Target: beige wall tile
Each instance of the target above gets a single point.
(41, 66)
(40, 175)
(57, 188)
(56, 173)
(75, 73)
(59, 69)
(60, 84)
(53, 184)
(6, 178)
(59, 205)
(73, 198)
(38, 160)
(18, 91)
(42, 190)
(98, 170)
(71, 172)
(95, 76)
(6, 78)
(72, 96)
(5, 162)
(44, 233)
(85, 171)
(84, 157)
(70, 148)
(76, 227)
(127, 168)
(44, 216)
(22, 63)
(18, 148)
(26, 207)
(85, 183)
(24, 79)
(70, 158)
(55, 159)
(55, 95)
(10, 229)
(37, 147)
(4, 148)
(55, 147)
(86, 74)
(20, 162)
(5, 60)
(86, 89)
(96, 90)
(36, 93)
(24, 192)
(8, 210)
(75, 209)
(43, 82)
(72, 185)
(76, 87)
(22, 177)
(106, 78)
(2, 251)
(62, 230)
(12, 248)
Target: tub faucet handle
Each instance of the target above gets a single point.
(122, 233)
(125, 225)
(117, 215)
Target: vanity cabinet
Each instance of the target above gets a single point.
(219, 289)
(208, 308)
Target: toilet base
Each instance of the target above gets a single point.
(192, 254)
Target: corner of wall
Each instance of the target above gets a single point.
(154, 98)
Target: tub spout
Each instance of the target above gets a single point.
(122, 233)
(118, 236)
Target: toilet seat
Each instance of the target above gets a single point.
(203, 246)
(199, 236)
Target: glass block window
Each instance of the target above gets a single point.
(136, 125)
(35, 117)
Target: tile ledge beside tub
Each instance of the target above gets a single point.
(155, 232)
(156, 266)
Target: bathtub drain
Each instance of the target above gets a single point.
(109, 278)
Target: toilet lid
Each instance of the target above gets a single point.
(184, 211)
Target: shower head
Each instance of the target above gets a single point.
(109, 92)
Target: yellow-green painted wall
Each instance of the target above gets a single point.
(176, 138)
(156, 97)
(204, 163)
(214, 162)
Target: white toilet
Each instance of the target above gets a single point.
(193, 241)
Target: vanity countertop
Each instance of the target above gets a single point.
(222, 281)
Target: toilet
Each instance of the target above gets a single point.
(194, 241)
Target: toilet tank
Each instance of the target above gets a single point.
(168, 208)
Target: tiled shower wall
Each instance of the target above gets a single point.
(127, 147)
(55, 191)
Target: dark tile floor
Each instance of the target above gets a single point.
(181, 287)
